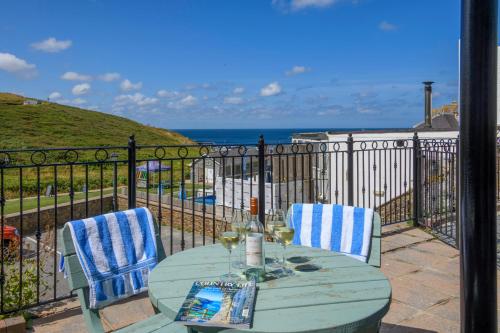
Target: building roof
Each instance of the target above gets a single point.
(444, 121)
(311, 136)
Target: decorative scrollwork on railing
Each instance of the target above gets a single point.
(38, 157)
(58, 156)
(5, 159)
(223, 151)
(101, 155)
(71, 156)
(242, 150)
(280, 149)
(204, 151)
(336, 147)
(182, 152)
(160, 153)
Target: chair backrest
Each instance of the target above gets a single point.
(374, 254)
(77, 280)
(373, 257)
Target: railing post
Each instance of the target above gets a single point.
(262, 185)
(478, 207)
(350, 170)
(131, 172)
(417, 172)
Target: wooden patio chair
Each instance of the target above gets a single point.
(78, 282)
(374, 253)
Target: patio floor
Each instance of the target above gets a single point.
(424, 274)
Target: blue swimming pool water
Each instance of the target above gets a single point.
(209, 200)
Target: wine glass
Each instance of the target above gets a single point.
(285, 235)
(275, 219)
(238, 225)
(229, 239)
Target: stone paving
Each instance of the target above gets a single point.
(424, 274)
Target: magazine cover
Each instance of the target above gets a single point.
(218, 303)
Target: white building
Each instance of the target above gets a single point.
(31, 102)
(382, 161)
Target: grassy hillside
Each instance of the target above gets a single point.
(55, 125)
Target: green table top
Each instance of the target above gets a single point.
(346, 295)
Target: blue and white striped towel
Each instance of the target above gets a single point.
(337, 228)
(117, 251)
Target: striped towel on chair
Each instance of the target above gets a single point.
(337, 228)
(117, 251)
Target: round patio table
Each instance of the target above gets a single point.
(344, 295)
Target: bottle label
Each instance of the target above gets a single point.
(254, 249)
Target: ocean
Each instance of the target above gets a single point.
(250, 136)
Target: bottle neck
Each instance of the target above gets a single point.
(253, 224)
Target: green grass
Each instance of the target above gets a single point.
(12, 206)
(51, 125)
(56, 125)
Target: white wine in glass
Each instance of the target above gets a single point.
(238, 225)
(230, 240)
(285, 236)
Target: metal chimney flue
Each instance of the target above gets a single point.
(428, 103)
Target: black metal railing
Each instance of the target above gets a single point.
(437, 193)
(193, 190)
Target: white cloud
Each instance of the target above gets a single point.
(52, 45)
(238, 90)
(303, 4)
(81, 89)
(12, 64)
(135, 99)
(187, 101)
(109, 77)
(233, 100)
(271, 89)
(386, 26)
(366, 110)
(297, 70)
(333, 111)
(79, 101)
(167, 94)
(55, 95)
(74, 76)
(126, 85)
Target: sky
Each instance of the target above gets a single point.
(235, 64)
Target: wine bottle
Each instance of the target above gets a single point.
(254, 249)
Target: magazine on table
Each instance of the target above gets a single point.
(218, 303)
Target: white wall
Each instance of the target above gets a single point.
(272, 197)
